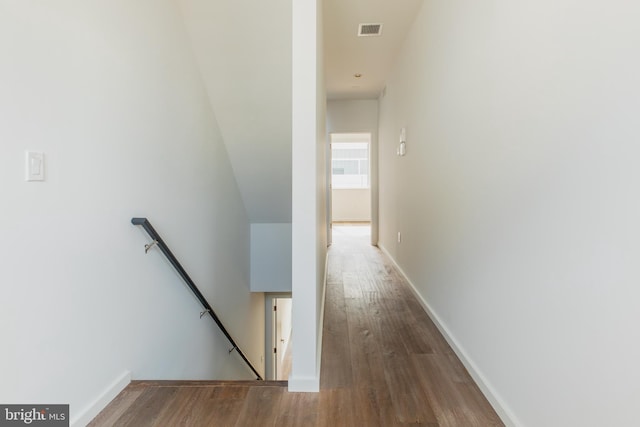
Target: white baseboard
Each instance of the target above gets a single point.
(89, 413)
(503, 411)
(305, 385)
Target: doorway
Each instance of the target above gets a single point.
(278, 328)
(350, 160)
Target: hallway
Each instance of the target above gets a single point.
(384, 363)
(383, 360)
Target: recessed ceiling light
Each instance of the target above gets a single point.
(357, 75)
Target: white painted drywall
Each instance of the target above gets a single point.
(351, 204)
(361, 115)
(518, 197)
(309, 243)
(110, 92)
(271, 257)
(250, 92)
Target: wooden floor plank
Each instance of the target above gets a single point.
(261, 407)
(335, 340)
(116, 409)
(373, 405)
(365, 358)
(428, 330)
(456, 401)
(351, 285)
(226, 404)
(386, 324)
(299, 409)
(189, 407)
(409, 399)
(147, 408)
(336, 408)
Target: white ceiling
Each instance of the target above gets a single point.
(347, 54)
(243, 49)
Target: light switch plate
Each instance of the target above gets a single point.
(34, 166)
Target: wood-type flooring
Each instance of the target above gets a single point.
(384, 363)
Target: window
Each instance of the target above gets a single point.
(350, 165)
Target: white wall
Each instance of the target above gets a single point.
(110, 92)
(271, 257)
(309, 243)
(250, 92)
(347, 116)
(518, 198)
(351, 204)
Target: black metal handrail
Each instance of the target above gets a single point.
(157, 241)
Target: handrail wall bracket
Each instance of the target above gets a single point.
(148, 246)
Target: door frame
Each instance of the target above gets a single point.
(270, 333)
(373, 183)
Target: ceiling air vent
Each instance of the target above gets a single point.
(367, 30)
